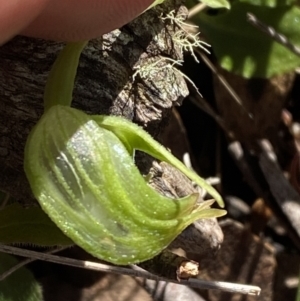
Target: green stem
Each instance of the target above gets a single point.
(60, 82)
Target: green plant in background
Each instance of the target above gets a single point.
(29, 226)
(19, 286)
(243, 49)
(81, 170)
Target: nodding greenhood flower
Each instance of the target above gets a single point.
(80, 168)
(81, 171)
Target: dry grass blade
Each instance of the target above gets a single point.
(221, 78)
(271, 32)
(135, 272)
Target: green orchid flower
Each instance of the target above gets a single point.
(81, 170)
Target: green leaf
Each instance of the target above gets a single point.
(19, 286)
(244, 50)
(209, 3)
(86, 181)
(156, 2)
(269, 3)
(29, 226)
(217, 3)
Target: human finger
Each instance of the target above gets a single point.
(17, 14)
(76, 20)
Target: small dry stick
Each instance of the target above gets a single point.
(136, 272)
(216, 285)
(196, 9)
(170, 266)
(271, 32)
(220, 77)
